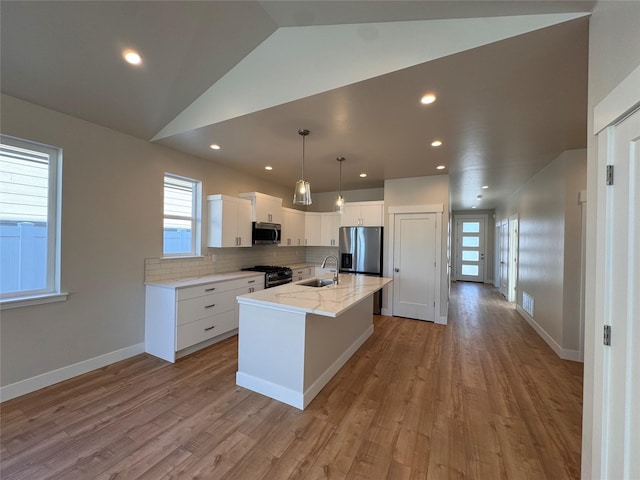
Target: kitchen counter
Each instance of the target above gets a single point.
(194, 281)
(293, 339)
(329, 301)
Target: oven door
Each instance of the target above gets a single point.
(276, 283)
(266, 233)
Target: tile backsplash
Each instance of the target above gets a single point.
(231, 260)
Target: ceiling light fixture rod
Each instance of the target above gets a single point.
(340, 200)
(302, 193)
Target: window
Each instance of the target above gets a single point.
(29, 219)
(182, 199)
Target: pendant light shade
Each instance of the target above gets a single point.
(302, 194)
(339, 207)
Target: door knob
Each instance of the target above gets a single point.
(396, 269)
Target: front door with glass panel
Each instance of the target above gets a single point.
(470, 248)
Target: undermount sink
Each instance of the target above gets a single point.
(317, 282)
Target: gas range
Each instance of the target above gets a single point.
(273, 275)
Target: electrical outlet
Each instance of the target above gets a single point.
(214, 258)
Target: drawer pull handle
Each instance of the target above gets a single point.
(209, 328)
(209, 289)
(210, 306)
(251, 281)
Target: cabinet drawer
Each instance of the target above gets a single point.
(204, 329)
(206, 306)
(204, 289)
(256, 281)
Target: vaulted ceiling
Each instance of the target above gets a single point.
(510, 80)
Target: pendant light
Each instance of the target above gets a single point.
(302, 194)
(339, 207)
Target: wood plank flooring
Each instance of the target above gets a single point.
(483, 398)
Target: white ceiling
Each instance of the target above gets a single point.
(504, 109)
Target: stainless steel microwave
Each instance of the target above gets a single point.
(266, 233)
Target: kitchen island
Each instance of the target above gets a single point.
(294, 338)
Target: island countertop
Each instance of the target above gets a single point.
(329, 301)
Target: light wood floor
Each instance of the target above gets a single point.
(482, 398)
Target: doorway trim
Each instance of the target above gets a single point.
(455, 247)
(438, 209)
(621, 101)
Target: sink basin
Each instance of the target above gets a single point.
(317, 282)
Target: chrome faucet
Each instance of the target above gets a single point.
(336, 280)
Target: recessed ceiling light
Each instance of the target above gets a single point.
(473, 206)
(484, 187)
(441, 167)
(363, 175)
(436, 143)
(428, 98)
(132, 57)
(214, 146)
(268, 167)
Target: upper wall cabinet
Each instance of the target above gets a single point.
(329, 228)
(292, 228)
(363, 214)
(229, 221)
(312, 229)
(265, 207)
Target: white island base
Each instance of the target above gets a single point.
(290, 354)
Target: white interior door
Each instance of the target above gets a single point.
(513, 258)
(504, 258)
(621, 360)
(470, 248)
(414, 266)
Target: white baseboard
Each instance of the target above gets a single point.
(386, 311)
(293, 397)
(330, 372)
(563, 353)
(65, 373)
(441, 320)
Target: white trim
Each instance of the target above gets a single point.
(9, 303)
(618, 103)
(65, 373)
(438, 210)
(294, 398)
(563, 353)
(431, 208)
(333, 369)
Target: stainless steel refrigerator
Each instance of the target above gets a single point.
(360, 252)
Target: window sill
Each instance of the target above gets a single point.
(18, 302)
(182, 257)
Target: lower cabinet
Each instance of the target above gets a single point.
(302, 273)
(180, 320)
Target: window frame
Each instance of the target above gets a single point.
(195, 219)
(51, 292)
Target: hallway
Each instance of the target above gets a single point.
(515, 405)
(483, 398)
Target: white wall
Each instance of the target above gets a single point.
(549, 248)
(613, 54)
(421, 191)
(111, 221)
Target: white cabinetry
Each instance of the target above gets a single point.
(244, 286)
(363, 214)
(293, 227)
(229, 221)
(193, 317)
(313, 229)
(302, 273)
(265, 207)
(329, 229)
